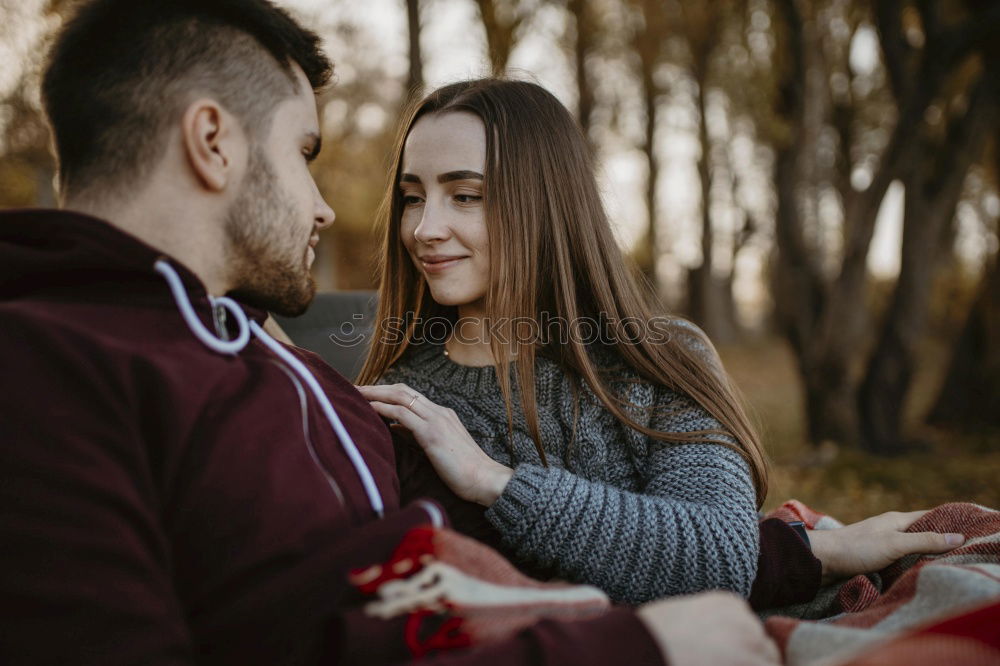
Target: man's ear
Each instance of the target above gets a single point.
(214, 143)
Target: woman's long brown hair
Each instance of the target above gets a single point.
(551, 251)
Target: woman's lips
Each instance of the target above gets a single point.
(435, 265)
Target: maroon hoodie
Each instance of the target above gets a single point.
(164, 503)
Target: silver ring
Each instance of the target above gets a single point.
(410, 406)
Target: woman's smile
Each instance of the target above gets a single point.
(435, 264)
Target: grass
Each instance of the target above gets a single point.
(849, 484)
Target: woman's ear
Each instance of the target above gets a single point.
(213, 142)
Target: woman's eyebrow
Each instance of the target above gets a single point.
(459, 175)
(443, 178)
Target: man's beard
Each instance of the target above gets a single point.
(266, 259)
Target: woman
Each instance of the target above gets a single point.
(627, 463)
(607, 444)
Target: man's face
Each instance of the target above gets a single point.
(275, 220)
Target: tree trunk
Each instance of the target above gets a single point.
(970, 395)
(798, 287)
(580, 11)
(499, 35)
(932, 194)
(415, 80)
(651, 252)
(709, 305)
(701, 308)
(647, 44)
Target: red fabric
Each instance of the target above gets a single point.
(971, 639)
(447, 635)
(794, 510)
(981, 624)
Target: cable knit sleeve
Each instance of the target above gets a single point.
(690, 526)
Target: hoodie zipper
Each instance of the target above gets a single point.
(219, 319)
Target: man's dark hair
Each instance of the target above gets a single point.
(122, 70)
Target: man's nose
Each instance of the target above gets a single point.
(324, 214)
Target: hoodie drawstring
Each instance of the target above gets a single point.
(191, 319)
(331, 415)
(235, 346)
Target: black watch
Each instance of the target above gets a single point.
(800, 529)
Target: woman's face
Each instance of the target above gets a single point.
(443, 226)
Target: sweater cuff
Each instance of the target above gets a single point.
(522, 491)
(787, 571)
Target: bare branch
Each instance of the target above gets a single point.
(895, 49)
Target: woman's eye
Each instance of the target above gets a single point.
(468, 198)
(411, 200)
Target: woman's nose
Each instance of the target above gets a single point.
(433, 225)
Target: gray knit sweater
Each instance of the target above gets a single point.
(637, 517)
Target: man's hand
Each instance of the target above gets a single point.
(875, 543)
(713, 629)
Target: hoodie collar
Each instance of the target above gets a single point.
(55, 254)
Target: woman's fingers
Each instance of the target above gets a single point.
(922, 542)
(929, 542)
(406, 417)
(397, 394)
(906, 518)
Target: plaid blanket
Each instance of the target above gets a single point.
(930, 609)
(449, 591)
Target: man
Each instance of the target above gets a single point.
(173, 488)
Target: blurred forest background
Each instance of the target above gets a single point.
(815, 182)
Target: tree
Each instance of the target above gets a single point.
(969, 398)
(798, 284)
(709, 304)
(825, 319)
(24, 133)
(415, 80)
(933, 189)
(649, 31)
(584, 23)
(501, 22)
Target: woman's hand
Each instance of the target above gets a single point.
(875, 543)
(458, 460)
